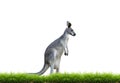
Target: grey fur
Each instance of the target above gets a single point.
(55, 50)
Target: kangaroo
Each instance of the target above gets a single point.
(55, 50)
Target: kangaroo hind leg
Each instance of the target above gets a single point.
(52, 61)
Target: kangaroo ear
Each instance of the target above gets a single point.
(69, 24)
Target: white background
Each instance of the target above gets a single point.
(27, 27)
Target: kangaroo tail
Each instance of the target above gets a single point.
(45, 67)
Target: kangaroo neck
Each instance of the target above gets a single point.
(65, 36)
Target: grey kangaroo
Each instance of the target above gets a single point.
(55, 50)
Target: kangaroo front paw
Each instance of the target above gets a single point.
(66, 54)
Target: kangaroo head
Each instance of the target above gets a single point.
(69, 30)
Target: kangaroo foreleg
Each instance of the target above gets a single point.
(66, 50)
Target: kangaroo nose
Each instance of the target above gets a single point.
(74, 34)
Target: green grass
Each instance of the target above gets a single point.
(61, 78)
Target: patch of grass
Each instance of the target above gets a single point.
(60, 78)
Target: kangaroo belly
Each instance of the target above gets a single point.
(59, 51)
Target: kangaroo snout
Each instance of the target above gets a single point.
(74, 34)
